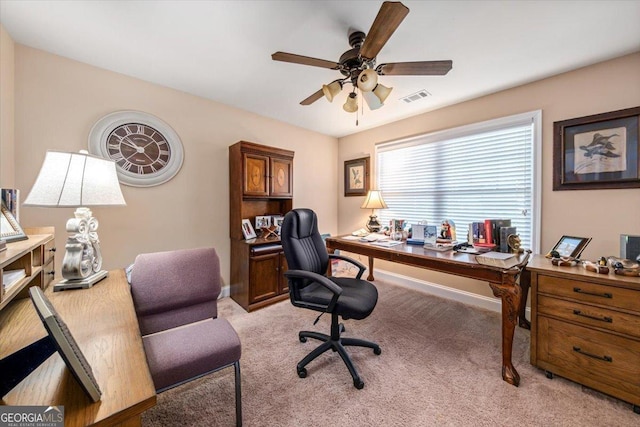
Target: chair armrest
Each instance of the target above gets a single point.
(318, 278)
(361, 267)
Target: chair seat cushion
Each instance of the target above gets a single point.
(183, 353)
(357, 300)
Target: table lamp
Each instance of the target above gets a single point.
(78, 180)
(373, 201)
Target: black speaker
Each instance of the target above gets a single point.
(630, 247)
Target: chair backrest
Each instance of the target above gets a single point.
(302, 243)
(174, 288)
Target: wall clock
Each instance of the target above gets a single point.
(147, 151)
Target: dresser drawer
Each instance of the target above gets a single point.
(49, 251)
(610, 296)
(590, 354)
(589, 315)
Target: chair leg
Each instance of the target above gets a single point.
(361, 343)
(236, 365)
(357, 381)
(302, 372)
(303, 335)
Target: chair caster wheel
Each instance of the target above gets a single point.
(303, 339)
(636, 409)
(302, 373)
(549, 374)
(342, 328)
(377, 351)
(358, 384)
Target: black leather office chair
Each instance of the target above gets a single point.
(309, 287)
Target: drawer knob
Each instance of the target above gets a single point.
(53, 273)
(52, 250)
(602, 319)
(594, 356)
(603, 295)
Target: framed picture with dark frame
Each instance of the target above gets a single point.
(597, 152)
(356, 177)
(571, 246)
(10, 230)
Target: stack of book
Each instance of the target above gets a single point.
(491, 233)
(11, 277)
(498, 259)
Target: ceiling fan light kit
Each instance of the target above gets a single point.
(331, 90)
(358, 64)
(351, 106)
(367, 80)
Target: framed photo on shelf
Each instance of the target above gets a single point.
(10, 230)
(277, 222)
(571, 246)
(263, 221)
(247, 230)
(356, 177)
(597, 152)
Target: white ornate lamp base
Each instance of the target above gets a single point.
(85, 283)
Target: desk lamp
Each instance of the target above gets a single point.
(78, 180)
(373, 201)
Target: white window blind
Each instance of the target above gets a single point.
(467, 174)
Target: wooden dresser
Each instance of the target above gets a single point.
(586, 327)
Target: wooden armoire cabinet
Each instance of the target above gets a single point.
(260, 183)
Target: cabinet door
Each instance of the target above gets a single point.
(284, 282)
(264, 277)
(255, 172)
(281, 178)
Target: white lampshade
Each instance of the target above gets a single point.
(351, 106)
(74, 180)
(374, 200)
(382, 92)
(331, 90)
(372, 100)
(367, 80)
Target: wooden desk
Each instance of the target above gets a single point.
(103, 322)
(502, 282)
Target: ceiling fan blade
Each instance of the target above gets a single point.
(304, 60)
(313, 98)
(419, 68)
(389, 18)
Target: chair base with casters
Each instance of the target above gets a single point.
(336, 343)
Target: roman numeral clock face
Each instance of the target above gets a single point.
(146, 150)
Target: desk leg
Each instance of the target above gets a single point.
(510, 295)
(525, 283)
(370, 277)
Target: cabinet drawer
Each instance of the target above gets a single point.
(589, 315)
(591, 354)
(610, 296)
(48, 274)
(49, 251)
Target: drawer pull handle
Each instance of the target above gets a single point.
(604, 358)
(602, 319)
(603, 295)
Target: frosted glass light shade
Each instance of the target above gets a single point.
(331, 90)
(382, 92)
(351, 106)
(367, 80)
(372, 100)
(374, 200)
(74, 180)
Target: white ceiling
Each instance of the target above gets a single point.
(221, 50)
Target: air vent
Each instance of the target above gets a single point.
(422, 94)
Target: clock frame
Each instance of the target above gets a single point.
(146, 150)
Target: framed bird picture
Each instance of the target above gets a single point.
(356, 177)
(597, 152)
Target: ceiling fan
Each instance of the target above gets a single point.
(358, 64)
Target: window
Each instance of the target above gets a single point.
(488, 170)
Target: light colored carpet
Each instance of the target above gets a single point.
(440, 366)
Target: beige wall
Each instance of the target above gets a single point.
(7, 160)
(58, 101)
(601, 214)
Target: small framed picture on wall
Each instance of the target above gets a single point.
(356, 177)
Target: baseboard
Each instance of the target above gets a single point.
(493, 304)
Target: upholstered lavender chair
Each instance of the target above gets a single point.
(175, 297)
